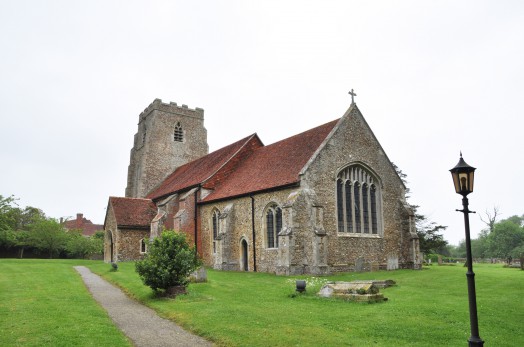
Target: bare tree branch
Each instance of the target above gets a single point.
(491, 218)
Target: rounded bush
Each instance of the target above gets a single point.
(168, 263)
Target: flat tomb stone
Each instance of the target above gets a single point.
(363, 291)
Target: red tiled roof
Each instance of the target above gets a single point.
(273, 166)
(197, 171)
(133, 212)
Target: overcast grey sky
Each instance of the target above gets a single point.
(432, 78)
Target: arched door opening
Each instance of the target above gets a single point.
(244, 256)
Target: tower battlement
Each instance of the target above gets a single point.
(173, 108)
(168, 136)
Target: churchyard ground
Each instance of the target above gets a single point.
(425, 308)
(45, 303)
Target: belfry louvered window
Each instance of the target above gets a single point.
(273, 225)
(179, 133)
(358, 201)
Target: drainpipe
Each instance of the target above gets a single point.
(254, 237)
(196, 220)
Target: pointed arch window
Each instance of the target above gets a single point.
(373, 200)
(144, 136)
(358, 201)
(273, 225)
(179, 133)
(143, 246)
(215, 227)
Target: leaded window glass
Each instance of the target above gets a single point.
(273, 225)
(358, 201)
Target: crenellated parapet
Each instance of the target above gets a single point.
(173, 108)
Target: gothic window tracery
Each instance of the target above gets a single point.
(179, 133)
(358, 201)
(273, 225)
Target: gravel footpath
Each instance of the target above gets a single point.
(140, 324)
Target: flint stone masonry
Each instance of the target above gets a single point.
(155, 154)
(310, 241)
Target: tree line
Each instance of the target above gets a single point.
(502, 239)
(29, 231)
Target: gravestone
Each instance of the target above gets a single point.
(199, 275)
(392, 262)
(359, 264)
(360, 291)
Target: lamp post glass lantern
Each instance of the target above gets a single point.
(463, 178)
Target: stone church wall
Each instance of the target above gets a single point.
(129, 243)
(126, 242)
(353, 142)
(239, 227)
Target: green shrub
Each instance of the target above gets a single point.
(168, 263)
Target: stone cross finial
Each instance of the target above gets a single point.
(353, 94)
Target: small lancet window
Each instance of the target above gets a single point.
(143, 246)
(179, 133)
(215, 216)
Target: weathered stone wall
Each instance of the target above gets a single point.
(354, 143)
(238, 227)
(110, 236)
(155, 154)
(126, 242)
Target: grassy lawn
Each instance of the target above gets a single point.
(45, 303)
(425, 308)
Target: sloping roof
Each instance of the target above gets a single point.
(272, 166)
(198, 171)
(84, 224)
(133, 212)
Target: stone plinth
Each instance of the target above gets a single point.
(363, 291)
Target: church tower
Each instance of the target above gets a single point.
(168, 136)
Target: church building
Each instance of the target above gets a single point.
(322, 201)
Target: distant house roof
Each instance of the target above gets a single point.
(273, 166)
(81, 223)
(202, 169)
(133, 212)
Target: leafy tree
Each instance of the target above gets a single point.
(78, 246)
(429, 233)
(7, 238)
(168, 263)
(430, 238)
(6, 210)
(505, 237)
(47, 236)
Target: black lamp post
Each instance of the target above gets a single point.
(463, 177)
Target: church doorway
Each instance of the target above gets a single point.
(111, 246)
(244, 256)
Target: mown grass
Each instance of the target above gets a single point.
(425, 308)
(45, 303)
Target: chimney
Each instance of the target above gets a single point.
(79, 216)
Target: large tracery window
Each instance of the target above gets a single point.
(358, 201)
(273, 225)
(179, 133)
